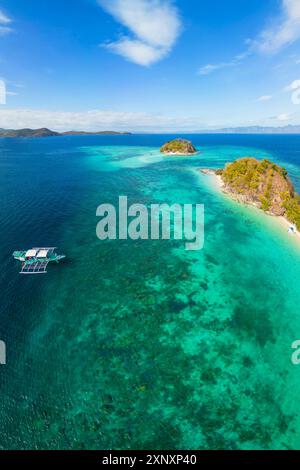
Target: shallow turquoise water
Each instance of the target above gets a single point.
(143, 344)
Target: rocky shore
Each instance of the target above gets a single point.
(178, 147)
(263, 185)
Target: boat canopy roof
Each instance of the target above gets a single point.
(30, 253)
(42, 254)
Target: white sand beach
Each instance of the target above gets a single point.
(217, 183)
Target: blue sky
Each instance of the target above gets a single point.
(150, 65)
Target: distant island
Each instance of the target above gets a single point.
(262, 184)
(178, 147)
(95, 133)
(290, 129)
(44, 132)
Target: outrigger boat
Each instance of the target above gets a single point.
(35, 261)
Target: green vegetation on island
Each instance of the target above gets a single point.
(44, 132)
(264, 184)
(178, 147)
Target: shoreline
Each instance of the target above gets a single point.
(179, 154)
(282, 221)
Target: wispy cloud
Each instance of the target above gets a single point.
(284, 30)
(97, 120)
(4, 19)
(100, 120)
(265, 98)
(154, 26)
(210, 68)
(4, 22)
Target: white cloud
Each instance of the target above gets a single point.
(101, 120)
(96, 120)
(284, 117)
(4, 22)
(265, 98)
(154, 27)
(137, 51)
(4, 19)
(284, 31)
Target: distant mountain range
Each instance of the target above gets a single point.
(255, 130)
(44, 132)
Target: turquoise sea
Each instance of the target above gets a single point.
(142, 344)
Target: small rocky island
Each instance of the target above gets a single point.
(178, 147)
(262, 184)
